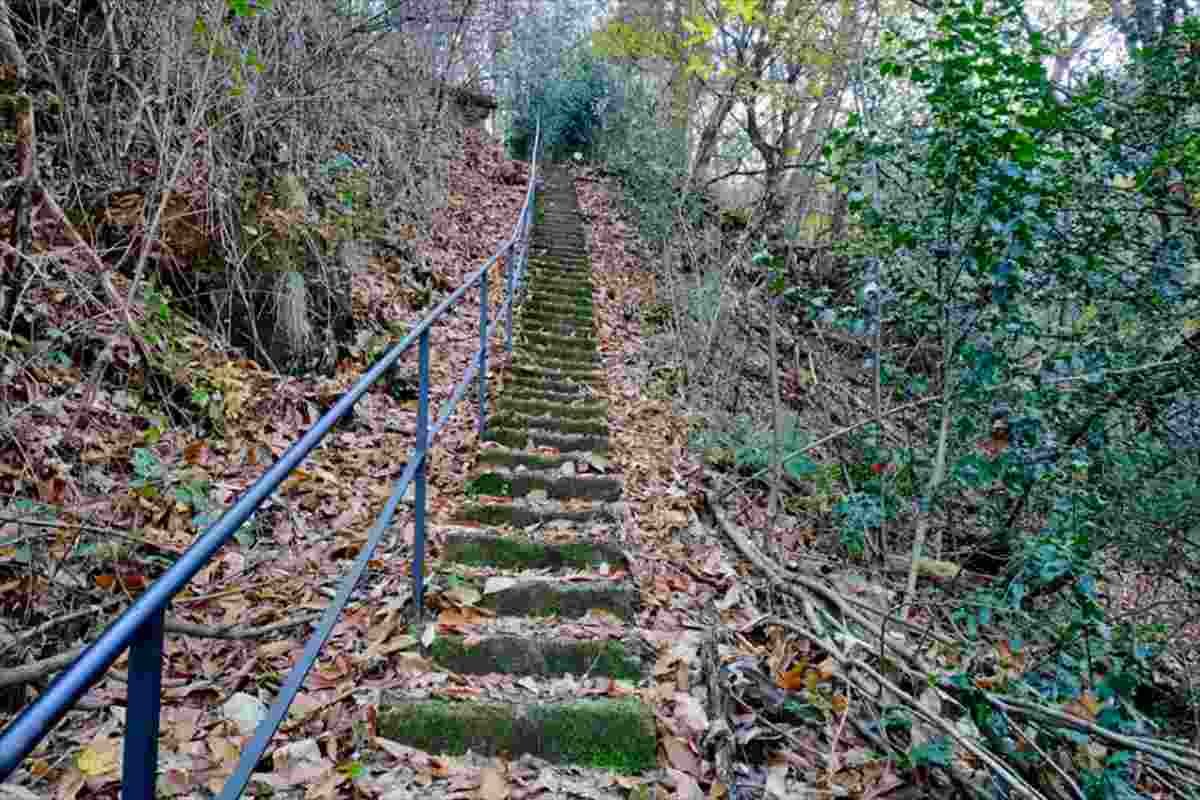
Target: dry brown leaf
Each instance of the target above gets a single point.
(492, 784)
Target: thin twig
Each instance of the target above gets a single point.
(40, 669)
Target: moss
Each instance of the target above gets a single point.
(606, 738)
(489, 484)
(486, 515)
(514, 457)
(507, 420)
(607, 659)
(657, 316)
(560, 599)
(607, 734)
(533, 407)
(513, 655)
(506, 436)
(513, 553)
(440, 726)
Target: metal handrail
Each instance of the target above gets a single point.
(140, 628)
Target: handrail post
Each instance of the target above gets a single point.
(142, 713)
(419, 478)
(483, 327)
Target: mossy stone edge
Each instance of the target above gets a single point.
(606, 734)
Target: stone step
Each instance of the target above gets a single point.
(558, 270)
(534, 373)
(560, 294)
(510, 457)
(473, 547)
(506, 482)
(582, 341)
(546, 422)
(576, 260)
(574, 410)
(582, 287)
(563, 442)
(540, 305)
(556, 359)
(565, 327)
(568, 360)
(580, 393)
(547, 656)
(551, 316)
(615, 734)
(579, 346)
(576, 280)
(561, 235)
(572, 254)
(572, 287)
(547, 596)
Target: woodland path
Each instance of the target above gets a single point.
(535, 558)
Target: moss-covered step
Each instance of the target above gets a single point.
(548, 294)
(618, 735)
(510, 457)
(556, 303)
(543, 296)
(548, 322)
(516, 391)
(556, 271)
(563, 442)
(577, 293)
(576, 410)
(503, 482)
(559, 359)
(541, 657)
(561, 328)
(563, 599)
(535, 373)
(547, 252)
(583, 282)
(560, 244)
(552, 303)
(570, 329)
(550, 389)
(581, 340)
(517, 552)
(559, 248)
(547, 422)
(571, 266)
(556, 315)
(574, 266)
(520, 514)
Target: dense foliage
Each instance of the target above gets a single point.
(1045, 242)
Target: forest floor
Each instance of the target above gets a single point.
(104, 488)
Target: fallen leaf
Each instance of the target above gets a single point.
(101, 757)
(680, 755)
(492, 785)
(686, 787)
(462, 595)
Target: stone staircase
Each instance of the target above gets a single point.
(536, 552)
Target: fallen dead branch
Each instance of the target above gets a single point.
(837, 627)
(40, 669)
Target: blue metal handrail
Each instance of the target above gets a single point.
(140, 628)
